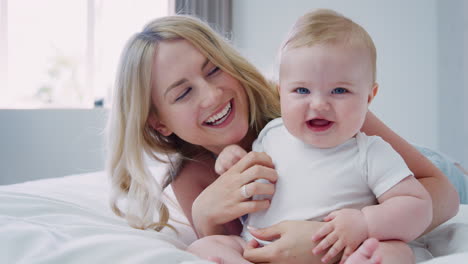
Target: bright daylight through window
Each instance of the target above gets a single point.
(64, 54)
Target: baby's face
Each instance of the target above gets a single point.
(325, 92)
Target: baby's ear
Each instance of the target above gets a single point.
(373, 93)
(158, 126)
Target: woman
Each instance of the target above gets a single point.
(182, 95)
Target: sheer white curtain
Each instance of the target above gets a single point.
(63, 54)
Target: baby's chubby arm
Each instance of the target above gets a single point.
(403, 212)
(229, 156)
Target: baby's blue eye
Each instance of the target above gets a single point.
(339, 90)
(302, 90)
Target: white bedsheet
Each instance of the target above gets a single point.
(68, 220)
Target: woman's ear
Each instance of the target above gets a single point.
(373, 93)
(158, 126)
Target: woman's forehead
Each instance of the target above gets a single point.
(175, 60)
(176, 50)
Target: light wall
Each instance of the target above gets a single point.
(464, 145)
(453, 77)
(411, 39)
(39, 144)
(422, 71)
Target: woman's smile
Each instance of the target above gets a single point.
(221, 116)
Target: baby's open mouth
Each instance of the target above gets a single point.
(220, 117)
(319, 122)
(319, 125)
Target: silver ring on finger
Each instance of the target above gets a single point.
(244, 192)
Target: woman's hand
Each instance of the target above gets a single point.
(292, 243)
(226, 199)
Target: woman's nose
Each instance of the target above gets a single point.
(211, 95)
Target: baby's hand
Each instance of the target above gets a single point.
(229, 156)
(345, 229)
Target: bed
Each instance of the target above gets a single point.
(68, 220)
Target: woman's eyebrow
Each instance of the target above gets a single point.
(175, 84)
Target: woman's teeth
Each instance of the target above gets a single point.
(219, 117)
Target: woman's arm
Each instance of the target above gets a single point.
(445, 200)
(192, 179)
(213, 204)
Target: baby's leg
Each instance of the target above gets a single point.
(386, 252)
(220, 249)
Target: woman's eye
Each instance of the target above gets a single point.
(183, 94)
(214, 70)
(302, 90)
(339, 90)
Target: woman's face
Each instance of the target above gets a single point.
(195, 99)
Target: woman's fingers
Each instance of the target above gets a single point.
(248, 207)
(256, 188)
(252, 167)
(237, 186)
(260, 172)
(267, 234)
(257, 179)
(251, 159)
(237, 151)
(221, 167)
(259, 254)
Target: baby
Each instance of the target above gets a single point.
(329, 170)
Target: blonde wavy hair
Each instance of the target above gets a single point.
(327, 26)
(130, 137)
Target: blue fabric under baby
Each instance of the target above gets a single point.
(447, 166)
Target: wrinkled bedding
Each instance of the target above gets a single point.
(68, 220)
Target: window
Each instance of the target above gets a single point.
(64, 54)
